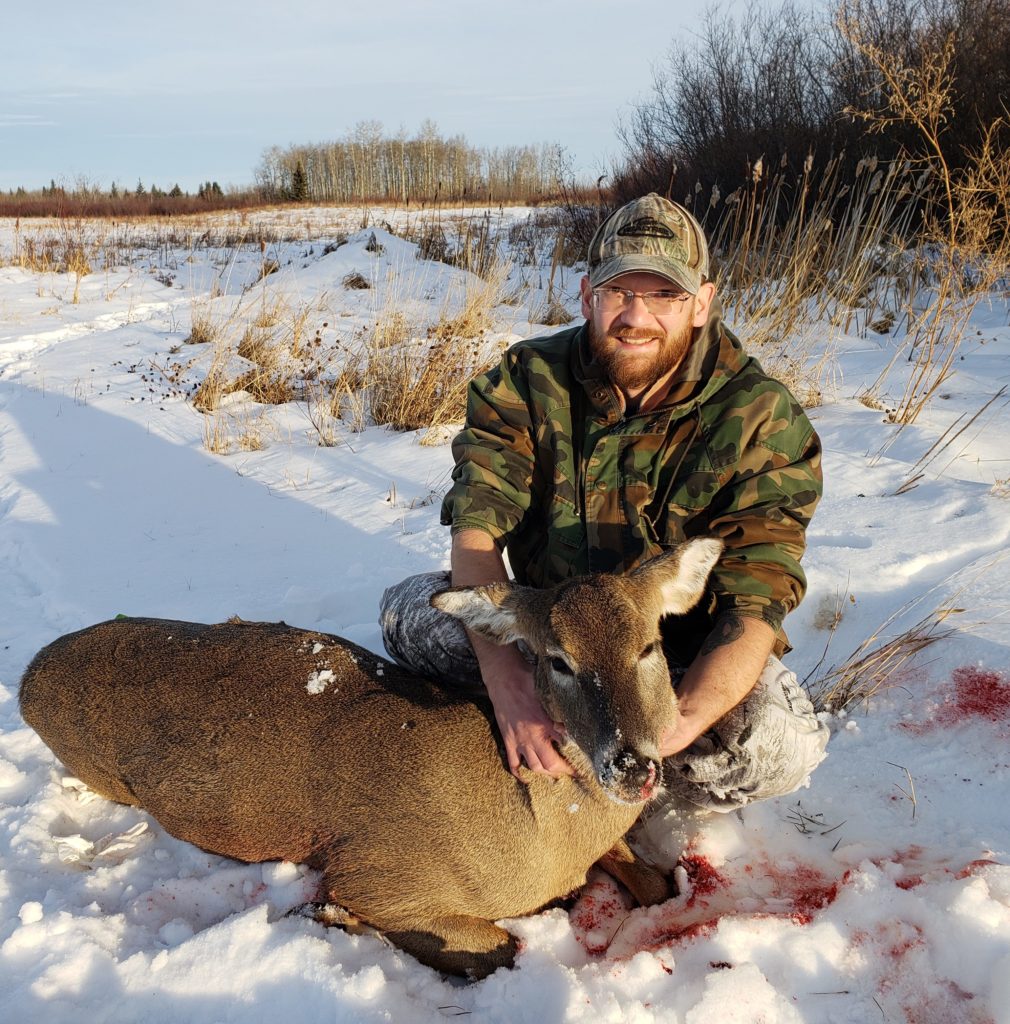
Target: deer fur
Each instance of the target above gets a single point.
(260, 741)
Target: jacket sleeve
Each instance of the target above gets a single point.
(494, 455)
(761, 514)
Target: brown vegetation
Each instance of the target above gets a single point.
(776, 86)
(87, 201)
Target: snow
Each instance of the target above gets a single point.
(319, 680)
(881, 892)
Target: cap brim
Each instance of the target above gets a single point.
(641, 263)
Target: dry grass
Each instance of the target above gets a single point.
(391, 328)
(225, 432)
(420, 385)
(204, 328)
(881, 659)
(411, 382)
(257, 346)
(551, 314)
(965, 244)
(474, 315)
(323, 408)
(207, 397)
(944, 446)
(796, 259)
(65, 249)
(285, 353)
(268, 387)
(876, 664)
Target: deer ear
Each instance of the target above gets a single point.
(679, 575)
(486, 610)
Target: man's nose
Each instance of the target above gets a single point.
(636, 314)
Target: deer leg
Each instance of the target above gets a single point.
(642, 880)
(469, 946)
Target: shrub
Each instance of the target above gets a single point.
(775, 86)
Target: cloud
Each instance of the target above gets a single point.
(25, 121)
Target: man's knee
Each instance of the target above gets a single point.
(421, 638)
(765, 747)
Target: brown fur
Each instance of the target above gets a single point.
(390, 784)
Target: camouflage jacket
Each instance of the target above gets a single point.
(554, 469)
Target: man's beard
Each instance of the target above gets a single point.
(629, 372)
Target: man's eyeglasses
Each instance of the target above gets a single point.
(661, 303)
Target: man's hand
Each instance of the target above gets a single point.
(528, 733)
(725, 671)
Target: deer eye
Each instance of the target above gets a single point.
(561, 666)
(649, 650)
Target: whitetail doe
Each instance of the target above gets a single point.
(264, 742)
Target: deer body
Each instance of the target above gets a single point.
(260, 741)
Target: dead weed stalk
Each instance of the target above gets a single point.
(874, 665)
(965, 242)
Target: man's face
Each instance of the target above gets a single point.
(635, 347)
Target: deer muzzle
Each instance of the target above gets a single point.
(630, 777)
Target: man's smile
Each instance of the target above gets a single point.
(634, 338)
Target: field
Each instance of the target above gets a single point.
(207, 417)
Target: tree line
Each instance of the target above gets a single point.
(369, 164)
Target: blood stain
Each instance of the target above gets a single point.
(978, 694)
(972, 693)
(704, 878)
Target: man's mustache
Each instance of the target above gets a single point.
(633, 334)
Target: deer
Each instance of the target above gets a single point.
(262, 741)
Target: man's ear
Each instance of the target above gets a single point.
(586, 294)
(703, 303)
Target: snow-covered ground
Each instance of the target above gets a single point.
(880, 893)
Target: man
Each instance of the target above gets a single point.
(597, 447)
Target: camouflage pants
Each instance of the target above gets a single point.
(767, 746)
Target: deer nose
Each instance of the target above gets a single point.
(630, 777)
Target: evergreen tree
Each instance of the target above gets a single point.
(299, 184)
(140, 190)
(175, 192)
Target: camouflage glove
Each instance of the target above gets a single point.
(766, 746)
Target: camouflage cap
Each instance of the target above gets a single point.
(651, 235)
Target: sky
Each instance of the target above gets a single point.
(196, 91)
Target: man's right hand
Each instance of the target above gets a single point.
(530, 736)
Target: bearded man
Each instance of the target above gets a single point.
(600, 446)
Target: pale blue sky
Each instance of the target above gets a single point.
(187, 91)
